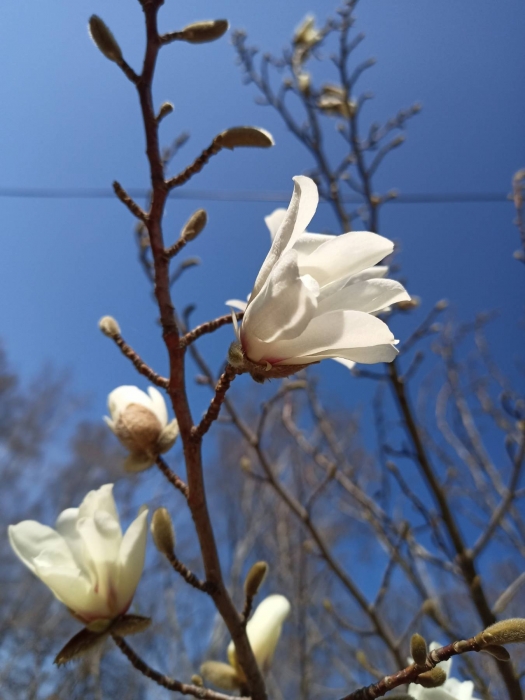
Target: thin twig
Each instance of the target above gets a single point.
(212, 413)
(170, 475)
(129, 202)
(139, 363)
(208, 327)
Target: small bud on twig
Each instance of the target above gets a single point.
(162, 532)
(104, 39)
(109, 326)
(194, 225)
(418, 649)
(245, 136)
(197, 680)
(222, 675)
(203, 32)
(255, 578)
(165, 109)
(433, 678)
(504, 632)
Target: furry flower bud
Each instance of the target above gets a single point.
(162, 532)
(104, 39)
(418, 649)
(194, 225)
(255, 579)
(245, 137)
(109, 326)
(203, 32)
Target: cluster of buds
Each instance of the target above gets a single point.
(333, 101)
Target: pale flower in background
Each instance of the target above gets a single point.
(140, 421)
(86, 561)
(452, 689)
(306, 34)
(263, 630)
(316, 295)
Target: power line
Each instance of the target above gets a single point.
(243, 195)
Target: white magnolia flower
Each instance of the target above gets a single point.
(452, 689)
(316, 295)
(141, 424)
(263, 630)
(86, 561)
(306, 34)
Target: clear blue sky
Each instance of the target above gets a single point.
(70, 119)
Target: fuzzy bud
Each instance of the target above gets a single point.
(104, 39)
(162, 532)
(203, 32)
(418, 649)
(441, 305)
(168, 437)
(433, 678)
(244, 137)
(197, 680)
(138, 429)
(109, 326)
(236, 355)
(194, 225)
(504, 632)
(222, 675)
(255, 578)
(165, 109)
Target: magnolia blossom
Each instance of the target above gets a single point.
(263, 631)
(86, 561)
(141, 424)
(316, 295)
(452, 689)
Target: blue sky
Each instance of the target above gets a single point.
(70, 119)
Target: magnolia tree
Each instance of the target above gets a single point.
(310, 497)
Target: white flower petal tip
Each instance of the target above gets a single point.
(140, 422)
(317, 296)
(452, 689)
(264, 631)
(86, 561)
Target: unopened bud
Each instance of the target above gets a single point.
(433, 678)
(104, 39)
(236, 355)
(499, 653)
(197, 680)
(162, 532)
(399, 139)
(165, 109)
(504, 632)
(409, 304)
(168, 437)
(194, 225)
(245, 136)
(418, 649)
(109, 326)
(442, 305)
(203, 32)
(304, 82)
(138, 429)
(222, 675)
(255, 578)
(327, 605)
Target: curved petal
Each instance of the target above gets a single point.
(349, 364)
(419, 693)
(369, 296)
(370, 273)
(131, 558)
(284, 307)
(274, 220)
(459, 690)
(99, 499)
(75, 591)
(237, 304)
(298, 215)
(158, 405)
(346, 255)
(330, 332)
(66, 526)
(366, 356)
(308, 242)
(122, 396)
(29, 539)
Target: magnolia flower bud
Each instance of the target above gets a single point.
(197, 680)
(433, 678)
(194, 225)
(203, 32)
(255, 579)
(104, 39)
(109, 326)
(162, 532)
(221, 675)
(245, 136)
(504, 632)
(165, 109)
(418, 649)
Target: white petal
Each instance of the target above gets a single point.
(102, 539)
(264, 629)
(131, 558)
(419, 693)
(308, 242)
(237, 304)
(29, 539)
(459, 690)
(158, 405)
(346, 255)
(349, 364)
(370, 273)
(284, 307)
(75, 591)
(99, 499)
(66, 526)
(365, 356)
(369, 296)
(298, 215)
(122, 396)
(274, 220)
(330, 332)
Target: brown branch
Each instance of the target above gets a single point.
(165, 681)
(411, 673)
(212, 413)
(195, 167)
(128, 71)
(186, 574)
(139, 363)
(170, 475)
(208, 327)
(174, 249)
(129, 202)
